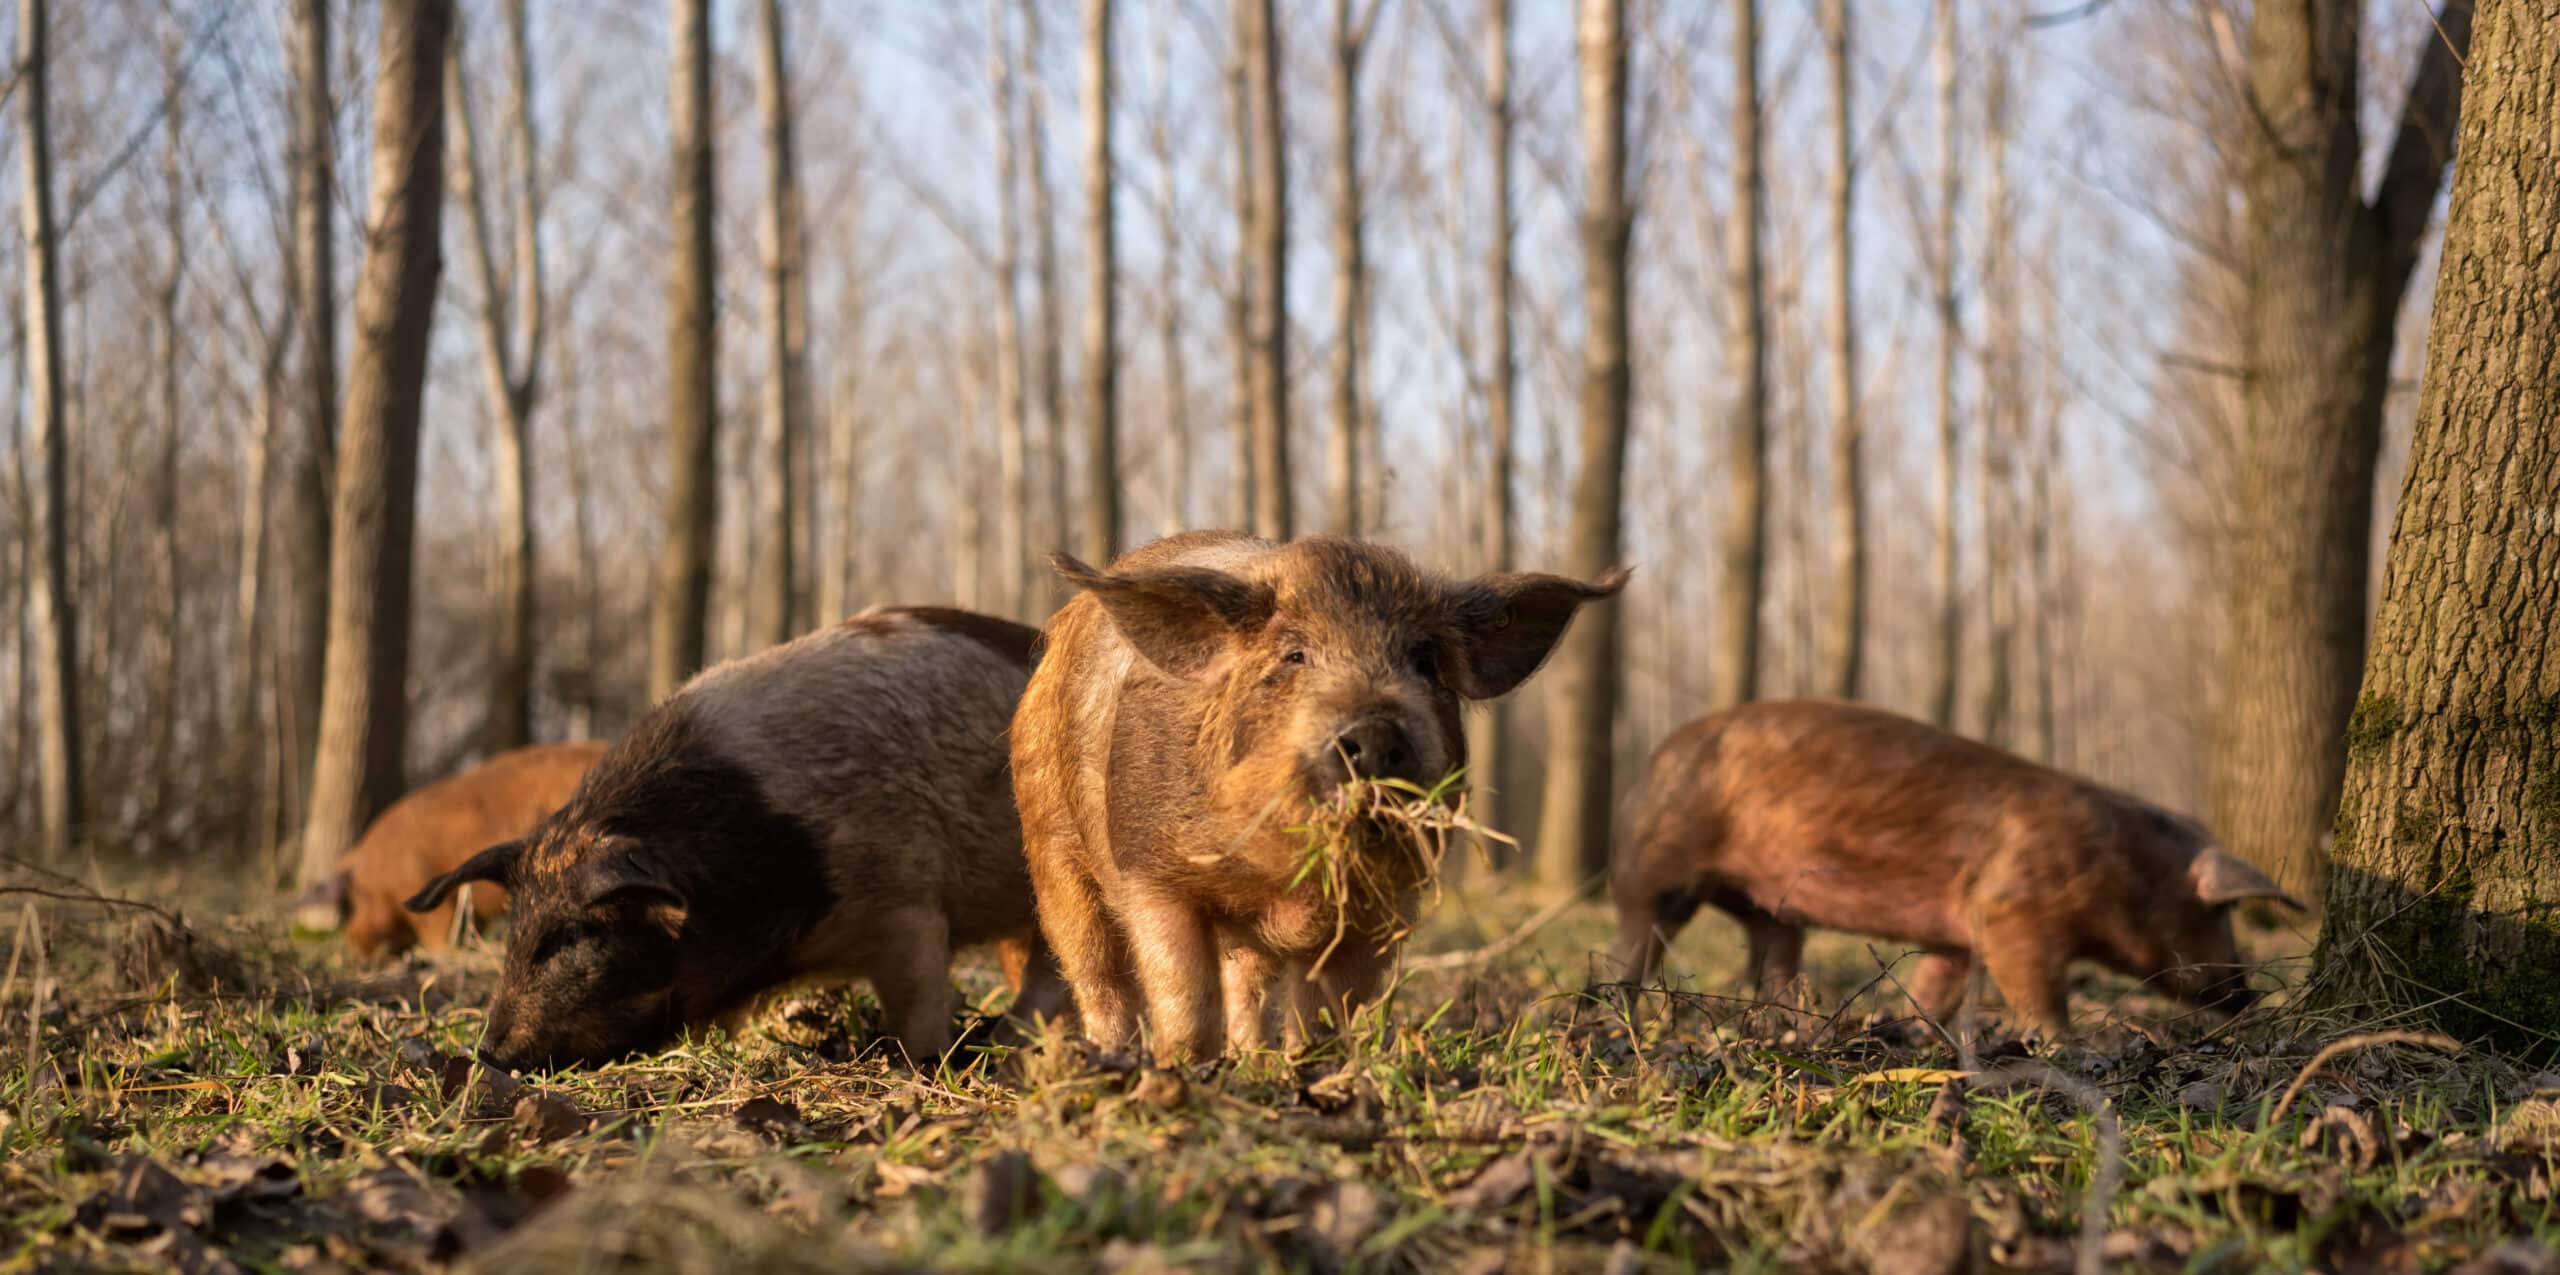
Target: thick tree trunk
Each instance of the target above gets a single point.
(680, 602)
(1573, 834)
(1240, 298)
(313, 162)
(2326, 272)
(1013, 438)
(1844, 643)
(1099, 532)
(1169, 308)
(2441, 887)
(775, 608)
(1948, 655)
(364, 710)
(1350, 269)
(1045, 592)
(2003, 407)
(511, 349)
(1488, 744)
(1736, 668)
(1267, 248)
(54, 612)
(167, 682)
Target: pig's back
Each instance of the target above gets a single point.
(1857, 819)
(885, 736)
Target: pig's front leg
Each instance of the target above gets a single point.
(1090, 951)
(1352, 977)
(1177, 960)
(1937, 984)
(1245, 976)
(914, 983)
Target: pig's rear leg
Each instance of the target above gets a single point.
(1089, 949)
(1937, 984)
(914, 984)
(2030, 967)
(1777, 952)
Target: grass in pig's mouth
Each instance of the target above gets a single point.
(1372, 840)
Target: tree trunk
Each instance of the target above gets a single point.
(54, 612)
(680, 603)
(1241, 440)
(1488, 745)
(1844, 633)
(1169, 309)
(167, 682)
(2440, 896)
(1013, 428)
(1100, 532)
(511, 348)
(2325, 274)
(775, 609)
(2003, 405)
(1350, 268)
(1746, 532)
(1573, 836)
(307, 515)
(1044, 590)
(1267, 248)
(1948, 655)
(364, 711)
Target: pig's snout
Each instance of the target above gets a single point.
(1371, 748)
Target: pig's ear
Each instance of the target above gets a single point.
(492, 864)
(1509, 623)
(1185, 620)
(2221, 878)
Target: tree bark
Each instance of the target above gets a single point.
(364, 709)
(680, 603)
(1746, 532)
(1844, 632)
(1488, 745)
(1100, 527)
(2440, 894)
(2002, 404)
(1350, 267)
(775, 609)
(511, 353)
(1044, 590)
(1013, 437)
(1267, 248)
(313, 162)
(1948, 655)
(2325, 271)
(1573, 835)
(1241, 439)
(54, 612)
(1169, 308)
(167, 681)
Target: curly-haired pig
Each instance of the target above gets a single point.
(1191, 703)
(1794, 813)
(835, 807)
(434, 830)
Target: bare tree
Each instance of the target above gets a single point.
(1573, 834)
(2439, 888)
(1489, 744)
(54, 617)
(775, 608)
(680, 604)
(1351, 29)
(166, 681)
(313, 163)
(1169, 308)
(1844, 635)
(1244, 448)
(1746, 533)
(364, 707)
(1046, 590)
(1267, 251)
(1013, 437)
(2003, 409)
(2326, 272)
(1943, 541)
(511, 355)
(1100, 534)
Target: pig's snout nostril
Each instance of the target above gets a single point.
(1371, 750)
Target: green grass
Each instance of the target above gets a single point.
(1488, 1116)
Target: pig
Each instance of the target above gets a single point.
(433, 830)
(1192, 700)
(1793, 813)
(836, 807)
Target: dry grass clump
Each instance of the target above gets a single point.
(1373, 841)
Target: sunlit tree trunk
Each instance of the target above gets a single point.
(1099, 531)
(2441, 888)
(1350, 268)
(1013, 437)
(313, 162)
(53, 611)
(2003, 408)
(2325, 273)
(680, 600)
(1044, 590)
(1241, 438)
(167, 682)
(1169, 308)
(364, 708)
(1736, 667)
(1267, 249)
(1947, 656)
(1488, 745)
(1844, 632)
(775, 611)
(1573, 834)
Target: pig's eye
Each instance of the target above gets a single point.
(1294, 656)
(1424, 666)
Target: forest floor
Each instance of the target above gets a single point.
(227, 1096)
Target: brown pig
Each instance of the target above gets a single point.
(434, 829)
(1792, 813)
(835, 807)
(1190, 704)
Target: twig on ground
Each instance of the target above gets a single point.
(2432, 1040)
